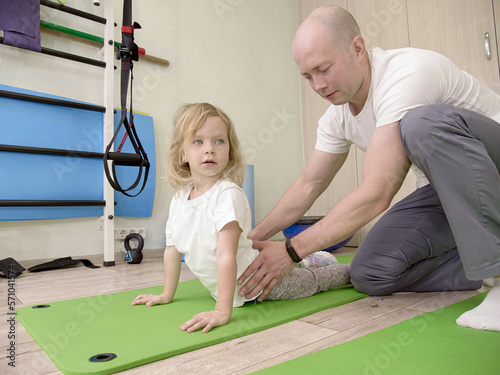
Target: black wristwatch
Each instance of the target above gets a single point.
(291, 251)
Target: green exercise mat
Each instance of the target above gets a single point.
(102, 327)
(428, 344)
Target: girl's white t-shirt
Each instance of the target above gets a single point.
(403, 79)
(193, 227)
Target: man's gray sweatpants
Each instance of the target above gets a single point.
(446, 235)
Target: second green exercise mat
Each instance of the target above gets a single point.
(428, 344)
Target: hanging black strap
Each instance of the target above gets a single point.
(127, 52)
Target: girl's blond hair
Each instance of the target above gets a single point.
(187, 120)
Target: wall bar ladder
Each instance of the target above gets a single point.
(108, 131)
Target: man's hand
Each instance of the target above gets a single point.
(270, 266)
(206, 320)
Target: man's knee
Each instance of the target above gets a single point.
(421, 132)
(428, 114)
(364, 280)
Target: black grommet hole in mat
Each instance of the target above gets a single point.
(40, 306)
(103, 357)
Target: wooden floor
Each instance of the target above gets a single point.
(260, 350)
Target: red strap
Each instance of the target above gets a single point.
(128, 29)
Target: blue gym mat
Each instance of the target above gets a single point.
(27, 176)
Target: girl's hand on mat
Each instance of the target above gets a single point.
(206, 320)
(151, 299)
(268, 268)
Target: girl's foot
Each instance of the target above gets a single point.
(318, 259)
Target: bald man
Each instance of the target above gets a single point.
(406, 108)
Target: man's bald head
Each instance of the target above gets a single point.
(339, 23)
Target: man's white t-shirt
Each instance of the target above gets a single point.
(193, 227)
(403, 79)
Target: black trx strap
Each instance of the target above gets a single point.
(127, 52)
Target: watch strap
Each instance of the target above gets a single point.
(291, 251)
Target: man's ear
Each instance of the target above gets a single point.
(358, 46)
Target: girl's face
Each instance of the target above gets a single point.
(208, 152)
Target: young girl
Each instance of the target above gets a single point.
(210, 219)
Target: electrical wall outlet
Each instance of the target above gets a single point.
(121, 233)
